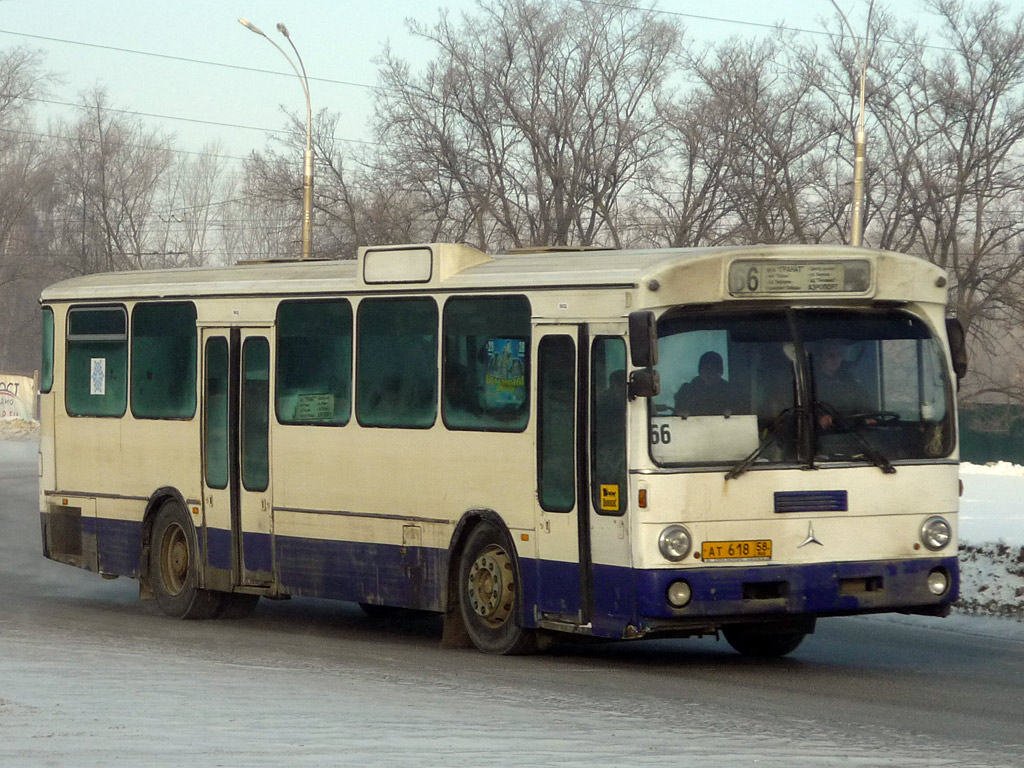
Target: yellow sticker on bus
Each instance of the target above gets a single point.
(609, 498)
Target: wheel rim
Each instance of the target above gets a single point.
(491, 586)
(174, 559)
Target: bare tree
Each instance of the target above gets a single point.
(268, 226)
(533, 119)
(683, 201)
(774, 134)
(25, 177)
(946, 158)
(110, 176)
(191, 198)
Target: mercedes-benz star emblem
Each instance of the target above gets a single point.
(811, 538)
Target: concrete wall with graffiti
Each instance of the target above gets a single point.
(17, 397)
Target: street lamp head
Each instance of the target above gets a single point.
(307, 183)
(251, 27)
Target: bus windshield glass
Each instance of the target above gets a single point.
(799, 386)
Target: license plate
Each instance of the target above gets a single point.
(754, 549)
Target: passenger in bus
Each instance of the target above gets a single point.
(837, 390)
(707, 393)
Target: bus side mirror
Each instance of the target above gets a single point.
(643, 339)
(957, 346)
(644, 382)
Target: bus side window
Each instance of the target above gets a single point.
(163, 360)
(396, 365)
(46, 377)
(97, 361)
(314, 362)
(486, 363)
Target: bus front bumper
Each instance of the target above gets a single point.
(729, 594)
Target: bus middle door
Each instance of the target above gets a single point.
(236, 455)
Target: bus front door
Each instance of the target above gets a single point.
(561, 492)
(611, 597)
(236, 456)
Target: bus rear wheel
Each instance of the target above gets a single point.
(763, 641)
(174, 567)
(489, 593)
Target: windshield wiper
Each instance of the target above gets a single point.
(853, 425)
(771, 432)
(870, 452)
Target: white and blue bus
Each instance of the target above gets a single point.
(618, 444)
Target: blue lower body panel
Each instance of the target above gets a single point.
(412, 577)
(119, 543)
(622, 602)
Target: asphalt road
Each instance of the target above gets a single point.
(888, 691)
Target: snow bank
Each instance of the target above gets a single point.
(992, 468)
(18, 430)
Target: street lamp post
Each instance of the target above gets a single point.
(307, 178)
(860, 141)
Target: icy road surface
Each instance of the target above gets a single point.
(91, 676)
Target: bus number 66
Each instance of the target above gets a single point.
(660, 434)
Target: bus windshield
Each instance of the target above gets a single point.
(799, 386)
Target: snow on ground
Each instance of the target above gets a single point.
(991, 528)
(19, 430)
(992, 540)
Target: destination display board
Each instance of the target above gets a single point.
(763, 277)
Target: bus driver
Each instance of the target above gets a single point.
(836, 387)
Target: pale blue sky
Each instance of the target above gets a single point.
(338, 41)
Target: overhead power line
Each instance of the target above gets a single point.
(744, 23)
(186, 119)
(186, 59)
(54, 137)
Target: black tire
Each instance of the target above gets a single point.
(489, 593)
(174, 567)
(763, 641)
(237, 605)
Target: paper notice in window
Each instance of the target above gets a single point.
(314, 407)
(98, 376)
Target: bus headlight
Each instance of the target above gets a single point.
(674, 543)
(936, 533)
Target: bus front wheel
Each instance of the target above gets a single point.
(174, 565)
(763, 640)
(489, 593)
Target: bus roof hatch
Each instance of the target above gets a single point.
(429, 264)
